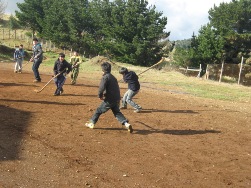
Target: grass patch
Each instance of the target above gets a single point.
(172, 80)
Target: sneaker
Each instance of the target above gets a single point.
(89, 125)
(56, 93)
(129, 127)
(123, 107)
(35, 81)
(138, 110)
(15, 71)
(61, 91)
(73, 82)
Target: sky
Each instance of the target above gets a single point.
(184, 17)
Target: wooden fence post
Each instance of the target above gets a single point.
(222, 66)
(240, 70)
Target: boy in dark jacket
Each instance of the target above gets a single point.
(109, 93)
(132, 79)
(63, 67)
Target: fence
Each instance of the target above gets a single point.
(13, 38)
(192, 69)
(236, 73)
(239, 73)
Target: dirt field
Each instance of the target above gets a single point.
(178, 140)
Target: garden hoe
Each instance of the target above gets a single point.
(38, 91)
(162, 59)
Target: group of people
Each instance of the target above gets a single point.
(108, 92)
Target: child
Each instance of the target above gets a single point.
(109, 93)
(75, 62)
(19, 57)
(132, 79)
(63, 67)
(36, 58)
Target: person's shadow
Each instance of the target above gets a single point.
(13, 126)
(169, 111)
(170, 131)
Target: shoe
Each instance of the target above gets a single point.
(15, 71)
(90, 125)
(61, 91)
(138, 110)
(129, 127)
(123, 107)
(73, 82)
(35, 81)
(56, 93)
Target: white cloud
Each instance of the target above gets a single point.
(185, 16)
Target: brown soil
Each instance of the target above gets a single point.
(178, 140)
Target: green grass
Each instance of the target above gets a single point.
(172, 80)
(176, 81)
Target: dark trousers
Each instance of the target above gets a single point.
(35, 67)
(59, 82)
(104, 107)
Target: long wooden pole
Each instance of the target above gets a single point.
(38, 91)
(149, 67)
(152, 66)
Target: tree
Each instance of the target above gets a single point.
(134, 32)
(31, 15)
(231, 17)
(3, 6)
(126, 29)
(209, 45)
(233, 22)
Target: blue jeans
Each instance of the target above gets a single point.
(35, 67)
(127, 98)
(59, 82)
(104, 107)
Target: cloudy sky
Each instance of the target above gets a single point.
(183, 16)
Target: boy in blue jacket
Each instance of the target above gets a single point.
(19, 57)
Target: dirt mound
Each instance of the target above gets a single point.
(101, 59)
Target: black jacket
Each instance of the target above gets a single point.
(109, 88)
(62, 67)
(132, 79)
